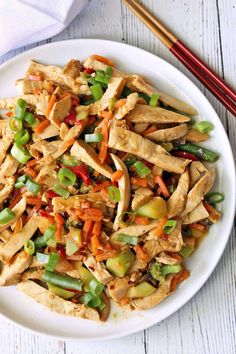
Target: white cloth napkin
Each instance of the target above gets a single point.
(27, 21)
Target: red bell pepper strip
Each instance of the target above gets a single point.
(82, 171)
(71, 119)
(52, 194)
(185, 155)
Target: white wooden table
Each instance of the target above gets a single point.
(206, 325)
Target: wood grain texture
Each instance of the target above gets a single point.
(207, 323)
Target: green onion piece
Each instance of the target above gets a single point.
(171, 188)
(88, 102)
(101, 306)
(66, 177)
(108, 70)
(15, 124)
(111, 103)
(63, 293)
(53, 260)
(22, 137)
(36, 122)
(186, 251)
(96, 287)
(6, 215)
(100, 76)
(81, 115)
(202, 153)
(125, 92)
(130, 161)
(62, 280)
(19, 185)
(41, 241)
(20, 109)
(169, 226)
(154, 99)
(20, 153)
(33, 186)
(141, 169)
(168, 268)
(22, 178)
(91, 300)
(29, 247)
(61, 191)
(204, 126)
(29, 118)
(114, 193)
(214, 197)
(130, 215)
(69, 160)
(96, 91)
(127, 239)
(71, 247)
(93, 138)
(52, 242)
(42, 257)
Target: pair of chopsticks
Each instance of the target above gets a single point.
(217, 86)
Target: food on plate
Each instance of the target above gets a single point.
(104, 188)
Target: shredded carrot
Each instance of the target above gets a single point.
(58, 233)
(9, 114)
(95, 244)
(141, 220)
(97, 228)
(93, 212)
(162, 185)
(50, 105)
(103, 256)
(34, 201)
(101, 186)
(18, 225)
(158, 231)
(183, 275)
(87, 229)
(66, 144)
(96, 173)
(116, 175)
(30, 172)
(150, 130)
(197, 226)
(124, 301)
(103, 149)
(31, 163)
(142, 182)
(173, 284)
(85, 205)
(102, 59)
(15, 200)
(120, 103)
(42, 125)
(59, 219)
(106, 114)
(141, 254)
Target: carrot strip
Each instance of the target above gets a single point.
(30, 172)
(15, 200)
(106, 114)
(85, 205)
(141, 255)
(173, 284)
(101, 186)
(95, 244)
(149, 130)
(214, 214)
(116, 175)
(87, 229)
(59, 219)
(120, 103)
(197, 226)
(142, 182)
(97, 228)
(9, 114)
(163, 187)
(58, 233)
(31, 163)
(141, 220)
(34, 201)
(102, 59)
(41, 126)
(158, 231)
(93, 212)
(106, 255)
(183, 275)
(18, 225)
(103, 149)
(50, 105)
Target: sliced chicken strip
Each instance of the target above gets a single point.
(154, 115)
(124, 187)
(5, 235)
(56, 303)
(19, 239)
(165, 258)
(135, 230)
(129, 105)
(18, 209)
(45, 148)
(8, 168)
(61, 204)
(49, 132)
(32, 274)
(196, 169)
(11, 274)
(168, 134)
(141, 196)
(3, 125)
(114, 89)
(172, 244)
(60, 110)
(5, 143)
(98, 270)
(39, 101)
(7, 189)
(177, 201)
(127, 141)
(150, 301)
(197, 214)
(85, 153)
(196, 194)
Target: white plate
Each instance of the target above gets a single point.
(27, 313)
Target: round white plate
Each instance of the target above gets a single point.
(25, 311)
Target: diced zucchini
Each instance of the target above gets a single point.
(155, 209)
(120, 264)
(141, 290)
(186, 251)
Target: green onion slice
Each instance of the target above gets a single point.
(52, 242)
(62, 280)
(186, 251)
(42, 257)
(169, 226)
(29, 118)
(41, 241)
(53, 260)
(20, 109)
(91, 300)
(29, 247)
(32, 186)
(22, 137)
(69, 160)
(21, 154)
(96, 91)
(127, 239)
(61, 191)
(114, 194)
(141, 169)
(154, 99)
(214, 197)
(127, 214)
(71, 247)
(66, 177)
(93, 138)
(203, 126)
(96, 287)
(15, 124)
(6, 215)
(130, 161)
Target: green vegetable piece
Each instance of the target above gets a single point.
(53, 260)
(141, 169)
(168, 268)
(63, 281)
(57, 290)
(42, 257)
(186, 251)
(71, 247)
(29, 247)
(204, 126)
(57, 188)
(159, 271)
(32, 186)
(41, 241)
(154, 99)
(21, 154)
(214, 197)
(93, 138)
(121, 263)
(66, 177)
(114, 194)
(155, 271)
(20, 109)
(96, 287)
(155, 209)
(97, 91)
(69, 160)
(141, 290)
(15, 124)
(169, 226)
(202, 153)
(6, 215)
(29, 118)
(86, 276)
(91, 300)
(127, 239)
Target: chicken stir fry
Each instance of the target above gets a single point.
(103, 190)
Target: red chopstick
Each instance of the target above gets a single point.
(222, 91)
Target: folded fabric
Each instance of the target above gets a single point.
(27, 21)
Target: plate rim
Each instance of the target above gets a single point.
(190, 294)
